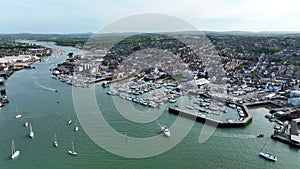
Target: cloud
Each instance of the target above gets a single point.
(82, 16)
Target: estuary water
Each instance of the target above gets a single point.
(32, 93)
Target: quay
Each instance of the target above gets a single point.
(213, 122)
(262, 103)
(285, 140)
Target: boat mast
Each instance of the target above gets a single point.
(73, 149)
(264, 145)
(12, 147)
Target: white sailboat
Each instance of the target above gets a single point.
(70, 121)
(267, 155)
(76, 126)
(31, 133)
(72, 152)
(55, 142)
(18, 115)
(14, 153)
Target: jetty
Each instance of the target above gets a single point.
(214, 122)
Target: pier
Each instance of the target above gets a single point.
(285, 140)
(213, 122)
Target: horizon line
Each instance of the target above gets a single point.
(213, 31)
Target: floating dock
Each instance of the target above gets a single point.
(214, 122)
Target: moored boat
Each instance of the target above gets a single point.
(18, 116)
(55, 142)
(14, 153)
(72, 152)
(31, 133)
(70, 121)
(76, 127)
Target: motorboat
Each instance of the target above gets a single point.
(260, 135)
(166, 131)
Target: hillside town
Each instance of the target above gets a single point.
(16, 56)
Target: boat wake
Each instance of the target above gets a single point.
(44, 87)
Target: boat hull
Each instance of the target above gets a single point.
(73, 153)
(268, 156)
(31, 134)
(15, 155)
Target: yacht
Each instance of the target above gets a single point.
(172, 100)
(31, 133)
(232, 106)
(55, 142)
(72, 152)
(166, 131)
(26, 124)
(18, 115)
(70, 121)
(76, 127)
(268, 156)
(14, 153)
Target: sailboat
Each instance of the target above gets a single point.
(14, 153)
(267, 155)
(31, 133)
(76, 126)
(72, 152)
(55, 142)
(18, 115)
(70, 121)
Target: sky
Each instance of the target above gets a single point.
(79, 16)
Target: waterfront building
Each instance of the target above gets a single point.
(295, 138)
